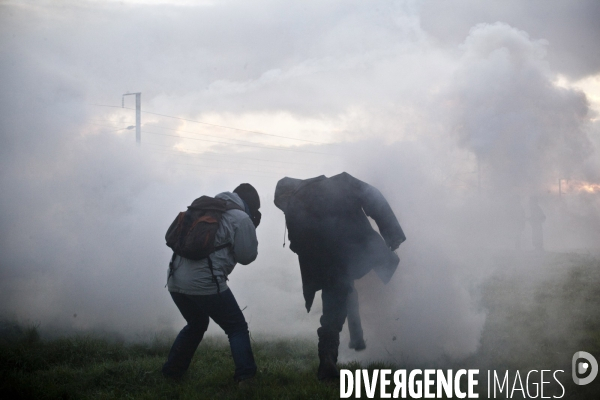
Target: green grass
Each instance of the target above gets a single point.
(538, 318)
(87, 367)
(531, 324)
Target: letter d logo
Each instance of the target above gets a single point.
(583, 367)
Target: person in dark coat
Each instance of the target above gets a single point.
(328, 228)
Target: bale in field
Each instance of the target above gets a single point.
(329, 230)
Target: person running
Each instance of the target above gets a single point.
(329, 230)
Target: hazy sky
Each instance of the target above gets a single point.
(438, 104)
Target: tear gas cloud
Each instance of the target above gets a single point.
(457, 124)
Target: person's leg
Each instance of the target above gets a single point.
(187, 341)
(332, 321)
(357, 341)
(224, 310)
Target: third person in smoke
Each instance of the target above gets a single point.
(329, 230)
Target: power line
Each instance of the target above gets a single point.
(201, 167)
(216, 125)
(115, 130)
(201, 134)
(232, 163)
(231, 172)
(107, 120)
(204, 154)
(221, 169)
(249, 158)
(194, 133)
(239, 144)
(234, 144)
(268, 173)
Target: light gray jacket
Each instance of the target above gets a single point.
(194, 277)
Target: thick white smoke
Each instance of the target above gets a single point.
(524, 130)
(521, 133)
(455, 137)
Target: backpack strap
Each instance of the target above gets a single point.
(214, 278)
(210, 266)
(212, 271)
(222, 246)
(171, 268)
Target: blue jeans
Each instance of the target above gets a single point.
(224, 310)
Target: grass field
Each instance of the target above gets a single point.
(94, 368)
(532, 323)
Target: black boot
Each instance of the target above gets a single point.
(328, 369)
(328, 354)
(357, 345)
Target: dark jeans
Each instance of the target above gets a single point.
(224, 310)
(335, 299)
(354, 324)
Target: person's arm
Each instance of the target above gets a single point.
(245, 244)
(377, 207)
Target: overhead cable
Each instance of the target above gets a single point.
(239, 144)
(204, 154)
(216, 125)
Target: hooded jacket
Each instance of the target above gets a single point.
(194, 277)
(329, 230)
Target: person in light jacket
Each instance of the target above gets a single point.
(200, 296)
(328, 228)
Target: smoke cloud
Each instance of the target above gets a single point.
(457, 125)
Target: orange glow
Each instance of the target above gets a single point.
(580, 186)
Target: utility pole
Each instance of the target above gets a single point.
(559, 188)
(478, 175)
(138, 115)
